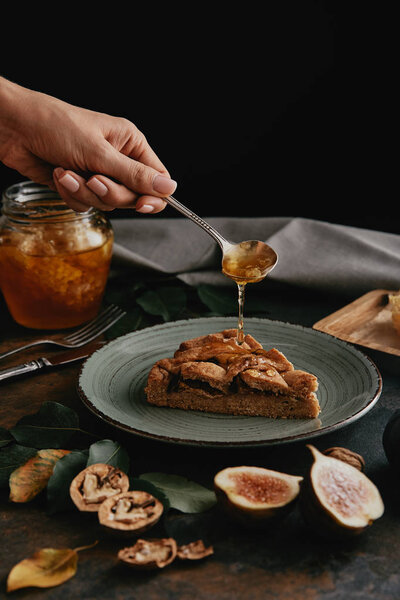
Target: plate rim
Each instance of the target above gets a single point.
(245, 443)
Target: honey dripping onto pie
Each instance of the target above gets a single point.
(247, 262)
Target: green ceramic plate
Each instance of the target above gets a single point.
(112, 380)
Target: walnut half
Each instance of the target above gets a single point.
(347, 456)
(194, 551)
(95, 484)
(158, 553)
(130, 512)
(149, 554)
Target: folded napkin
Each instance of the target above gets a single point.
(312, 254)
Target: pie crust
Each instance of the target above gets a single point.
(213, 373)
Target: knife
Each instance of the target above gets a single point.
(59, 359)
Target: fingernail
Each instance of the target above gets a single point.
(58, 171)
(97, 187)
(164, 185)
(146, 208)
(69, 183)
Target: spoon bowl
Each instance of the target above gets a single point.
(249, 261)
(245, 262)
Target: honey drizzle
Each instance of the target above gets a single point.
(247, 263)
(240, 328)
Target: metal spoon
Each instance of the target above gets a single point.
(245, 262)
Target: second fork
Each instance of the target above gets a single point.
(91, 330)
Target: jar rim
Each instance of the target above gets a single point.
(28, 201)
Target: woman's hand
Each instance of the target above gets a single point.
(90, 158)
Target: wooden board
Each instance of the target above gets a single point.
(366, 322)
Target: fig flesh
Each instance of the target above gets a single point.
(95, 484)
(337, 500)
(149, 554)
(130, 512)
(255, 495)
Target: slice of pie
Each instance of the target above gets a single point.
(213, 373)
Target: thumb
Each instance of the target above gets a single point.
(137, 176)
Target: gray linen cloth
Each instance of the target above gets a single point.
(312, 254)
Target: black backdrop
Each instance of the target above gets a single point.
(253, 113)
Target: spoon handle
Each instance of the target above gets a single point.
(198, 220)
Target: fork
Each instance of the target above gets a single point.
(82, 336)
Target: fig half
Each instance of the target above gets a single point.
(255, 496)
(337, 500)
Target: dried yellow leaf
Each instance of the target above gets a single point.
(31, 478)
(46, 568)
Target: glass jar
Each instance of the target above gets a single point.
(54, 262)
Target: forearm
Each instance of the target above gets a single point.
(28, 125)
(13, 97)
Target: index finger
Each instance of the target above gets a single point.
(144, 153)
(137, 175)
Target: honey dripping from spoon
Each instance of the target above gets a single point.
(247, 262)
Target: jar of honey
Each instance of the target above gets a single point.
(54, 262)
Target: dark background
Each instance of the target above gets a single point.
(273, 113)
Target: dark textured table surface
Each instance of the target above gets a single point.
(286, 562)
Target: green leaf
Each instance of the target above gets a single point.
(133, 320)
(185, 528)
(151, 302)
(224, 300)
(58, 497)
(123, 293)
(219, 300)
(136, 483)
(167, 302)
(5, 437)
(51, 427)
(183, 494)
(255, 304)
(175, 298)
(12, 457)
(110, 453)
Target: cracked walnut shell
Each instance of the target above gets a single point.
(149, 554)
(130, 512)
(194, 551)
(347, 456)
(95, 484)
